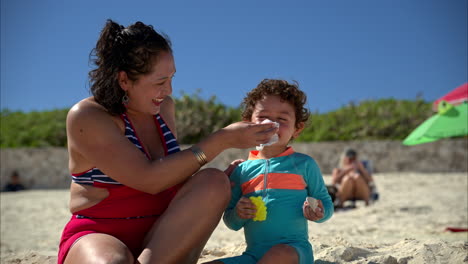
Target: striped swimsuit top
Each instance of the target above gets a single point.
(97, 178)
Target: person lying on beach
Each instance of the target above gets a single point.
(352, 179)
(135, 196)
(270, 189)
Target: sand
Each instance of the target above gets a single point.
(407, 225)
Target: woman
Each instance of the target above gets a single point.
(135, 197)
(352, 179)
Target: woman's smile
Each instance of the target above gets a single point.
(158, 102)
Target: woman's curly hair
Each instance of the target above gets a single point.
(286, 91)
(131, 49)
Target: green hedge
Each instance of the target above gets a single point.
(380, 119)
(196, 118)
(33, 129)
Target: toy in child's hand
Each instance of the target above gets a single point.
(313, 203)
(273, 139)
(261, 213)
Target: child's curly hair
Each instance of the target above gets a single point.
(286, 91)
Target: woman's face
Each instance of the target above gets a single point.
(147, 93)
(273, 108)
(349, 160)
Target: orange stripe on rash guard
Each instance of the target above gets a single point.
(253, 185)
(275, 181)
(285, 181)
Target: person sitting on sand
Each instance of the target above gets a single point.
(136, 196)
(270, 189)
(14, 184)
(352, 179)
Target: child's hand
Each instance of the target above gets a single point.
(313, 215)
(245, 208)
(233, 166)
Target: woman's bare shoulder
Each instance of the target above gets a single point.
(88, 112)
(85, 107)
(88, 122)
(92, 132)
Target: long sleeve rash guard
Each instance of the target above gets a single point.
(283, 182)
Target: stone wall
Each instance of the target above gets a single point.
(39, 168)
(45, 168)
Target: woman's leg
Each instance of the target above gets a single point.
(99, 248)
(280, 253)
(180, 234)
(346, 190)
(362, 191)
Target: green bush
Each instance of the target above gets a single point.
(380, 119)
(196, 118)
(34, 129)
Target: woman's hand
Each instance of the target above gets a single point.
(313, 215)
(245, 208)
(247, 134)
(233, 166)
(363, 171)
(347, 169)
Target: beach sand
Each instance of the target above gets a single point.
(406, 225)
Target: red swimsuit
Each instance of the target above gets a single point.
(126, 213)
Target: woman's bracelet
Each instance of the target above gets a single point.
(200, 155)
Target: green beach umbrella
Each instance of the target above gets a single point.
(450, 121)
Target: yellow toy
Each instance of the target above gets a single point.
(261, 208)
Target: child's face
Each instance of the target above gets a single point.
(271, 107)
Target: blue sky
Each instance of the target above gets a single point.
(339, 50)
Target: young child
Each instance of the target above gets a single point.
(282, 178)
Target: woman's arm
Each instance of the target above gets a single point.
(93, 133)
(363, 171)
(339, 173)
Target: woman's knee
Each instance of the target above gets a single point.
(99, 249)
(215, 183)
(361, 182)
(347, 180)
(115, 258)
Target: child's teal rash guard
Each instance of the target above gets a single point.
(284, 182)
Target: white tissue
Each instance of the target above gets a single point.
(273, 139)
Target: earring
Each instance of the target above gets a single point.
(125, 99)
